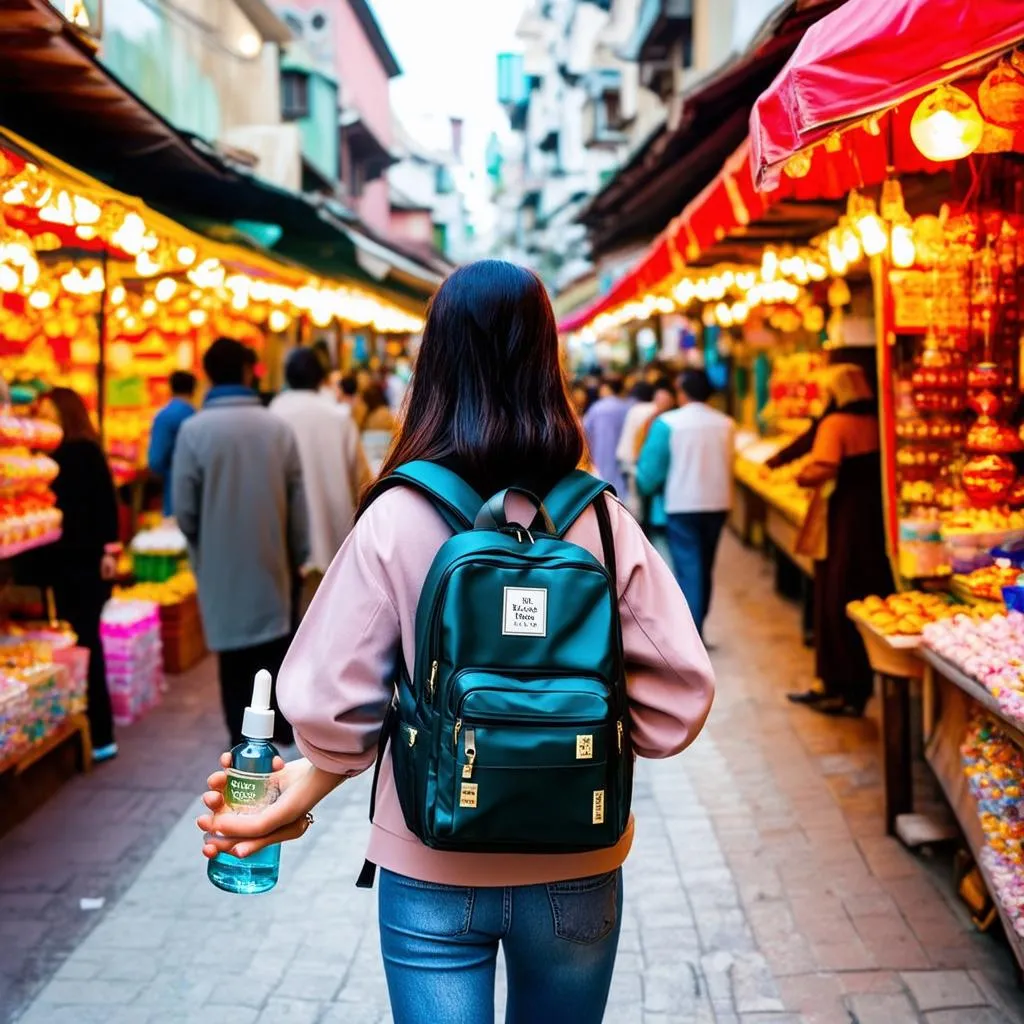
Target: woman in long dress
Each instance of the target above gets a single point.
(846, 454)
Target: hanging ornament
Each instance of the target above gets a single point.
(995, 139)
(891, 205)
(988, 479)
(903, 251)
(1001, 95)
(947, 125)
(798, 165)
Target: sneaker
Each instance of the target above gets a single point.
(107, 753)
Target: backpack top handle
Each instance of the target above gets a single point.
(494, 516)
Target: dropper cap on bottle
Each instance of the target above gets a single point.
(258, 720)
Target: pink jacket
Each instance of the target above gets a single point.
(337, 678)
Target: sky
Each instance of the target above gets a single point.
(448, 51)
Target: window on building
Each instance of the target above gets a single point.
(294, 95)
(443, 181)
(441, 237)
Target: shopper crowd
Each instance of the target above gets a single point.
(669, 455)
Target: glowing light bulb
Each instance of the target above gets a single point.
(149, 307)
(197, 317)
(904, 252)
(851, 245)
(40, 300)
(837, 261)
(165, 289)
(947, 125)
(873, 235)
(740, 311)
(117, 295)
(130, 237)
(723, 314)
(278, 320)
(9, 279)
(769, 265)
(186, 256)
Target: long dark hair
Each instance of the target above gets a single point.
(74, 416)
(488, 390)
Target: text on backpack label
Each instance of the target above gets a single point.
(525, 612)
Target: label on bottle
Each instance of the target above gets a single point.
(248, 792)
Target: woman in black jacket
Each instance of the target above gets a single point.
(80, 566)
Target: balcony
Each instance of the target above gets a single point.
(660, 24)
(604, 123)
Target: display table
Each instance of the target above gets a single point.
(950, 701)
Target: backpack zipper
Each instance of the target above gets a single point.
(618, 730)
(432, 682)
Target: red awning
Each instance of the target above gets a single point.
(730, 202)
(868, 56)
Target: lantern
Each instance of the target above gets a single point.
(987, 479)
(947, 125)
(1001, 95)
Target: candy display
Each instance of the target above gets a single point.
(130, 631)
(906, 614)
(28, 516)
(170, 592)
(158, 554)
(987, 583)
(994, 767)
(42, 681)
(777, 486)
(989, 650)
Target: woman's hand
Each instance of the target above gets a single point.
(301, 785)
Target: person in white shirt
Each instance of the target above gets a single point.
(334, 467)
(688, 455)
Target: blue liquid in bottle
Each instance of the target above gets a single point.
(249, 789)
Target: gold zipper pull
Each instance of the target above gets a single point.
(470, 744)
(455, 738)
(412, 736)
(618, 729)
(432, 682)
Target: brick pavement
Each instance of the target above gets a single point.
(762, 887)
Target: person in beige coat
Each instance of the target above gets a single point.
(334, 467)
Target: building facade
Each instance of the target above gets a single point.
(595, 82)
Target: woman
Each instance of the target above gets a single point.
(845, 456)
(488, 401)
(79, 568)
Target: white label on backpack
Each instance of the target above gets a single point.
(526, 612)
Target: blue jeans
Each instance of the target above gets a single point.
(440, 946)
(693, 540)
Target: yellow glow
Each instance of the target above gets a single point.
(723, 314)
(40, 300)
(947, 125)
(197, 317)
(769, 265)
(798, 165)
(130, 236)
(59, 210)
(86, 232)
(9, 280)
(86, 212)
(872, 233)
(186, 256)
(149, 307)
(904, 252)
(165, 289)
(278, 320)
(117, 295)
(740, 311)
(145, 266)
(851, 245)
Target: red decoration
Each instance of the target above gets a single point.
(988, 479)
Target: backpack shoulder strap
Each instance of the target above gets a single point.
(453, 498)
(570, 497)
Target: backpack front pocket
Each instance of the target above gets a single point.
(526, 765)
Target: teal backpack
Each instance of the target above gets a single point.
(513, 734)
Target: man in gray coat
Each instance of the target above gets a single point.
(239, 500)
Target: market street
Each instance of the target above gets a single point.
(761, 889)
